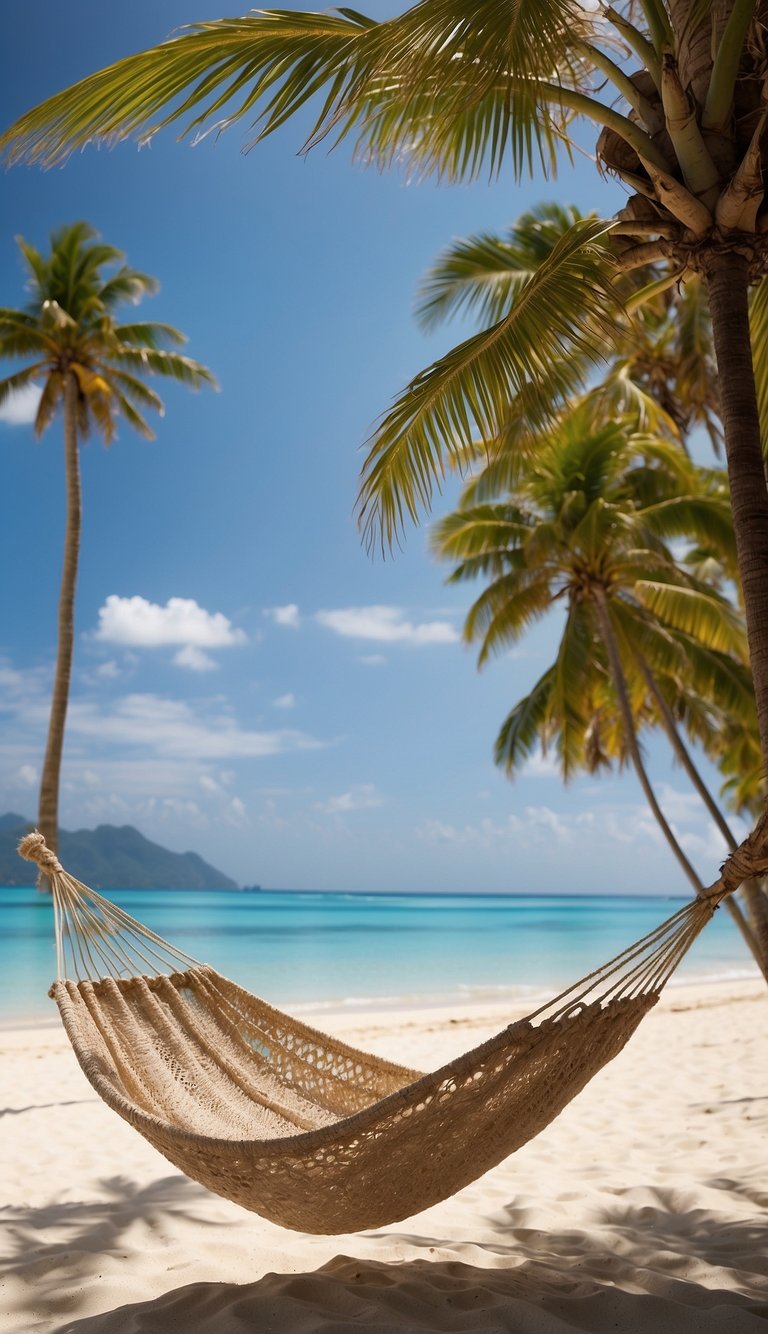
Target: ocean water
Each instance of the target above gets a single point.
(322, 951)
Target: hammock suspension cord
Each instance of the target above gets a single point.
(301, 1127)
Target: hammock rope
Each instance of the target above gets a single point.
(301, 1127)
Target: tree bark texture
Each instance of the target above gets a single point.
(727, 285)
(48, 813)
(620, 684)
(756, 934)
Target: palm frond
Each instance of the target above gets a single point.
(135, 389)
(149, 334)
(705, 616)
(480, 275)
(504, 611)
(53, 391)
(524, 727)
(11, 384)
(758, 324)
(132, 415)
(574, 668)
(469, 391)
(448, 82)
(170, 364)
(482, 530)
(705, 519)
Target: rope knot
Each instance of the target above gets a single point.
(33, 848)
(750, 860)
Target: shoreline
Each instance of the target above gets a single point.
(515, 1000)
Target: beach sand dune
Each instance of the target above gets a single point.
(644, 1207)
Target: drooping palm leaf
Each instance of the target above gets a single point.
(469, 391)
(448, 82)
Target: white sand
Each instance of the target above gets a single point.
(642, 1208)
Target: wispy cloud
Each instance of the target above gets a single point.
(20, 409)
(108, 671)
(287, 615)
(386, 625)
(541, 765)
(287, 701)
(177, 728)
(361, 798)
(618, 827)
(138, 623)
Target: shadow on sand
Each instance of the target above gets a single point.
(658, 1269)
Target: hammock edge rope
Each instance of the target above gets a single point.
(301, 1127)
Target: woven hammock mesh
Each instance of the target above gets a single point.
(298, 1126)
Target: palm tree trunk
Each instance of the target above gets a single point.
(727, 280)
(756, 935)
(48, 812)
(620, 684)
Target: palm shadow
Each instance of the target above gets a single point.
(654, 1269)
(91, 1227)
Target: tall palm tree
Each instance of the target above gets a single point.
(585, 526)
(674, 88)
(92, 370)
(663, 370)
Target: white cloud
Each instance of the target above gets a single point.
(618, 828)
(236, 811)
(142, 624)
(26, 774)
(288, 615)
(195, 659)
(372, 659)
(287, 701)
(108, 671)
(361, 798)
(175, 728)
(20, 409)
(385, 624)
(539, 765)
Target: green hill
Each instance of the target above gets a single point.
(110, 857)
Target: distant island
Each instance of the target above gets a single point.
(110, 857)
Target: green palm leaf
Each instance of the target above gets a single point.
(758, 323)
(481, 275)
(522, 730)
(468, 392)
(20, 380)
(448, 82)
(705, 616)
(703, 519)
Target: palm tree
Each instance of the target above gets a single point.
(92, 369)
(674, 88)
(585, 526)
(662, 369)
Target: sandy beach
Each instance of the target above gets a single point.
(643, 1207)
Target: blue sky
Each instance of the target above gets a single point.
(247, 682)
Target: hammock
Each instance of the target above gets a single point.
(298, 1126)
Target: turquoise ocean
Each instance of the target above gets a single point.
(324, 951)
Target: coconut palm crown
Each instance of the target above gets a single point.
(644, 643)
(92, 369)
